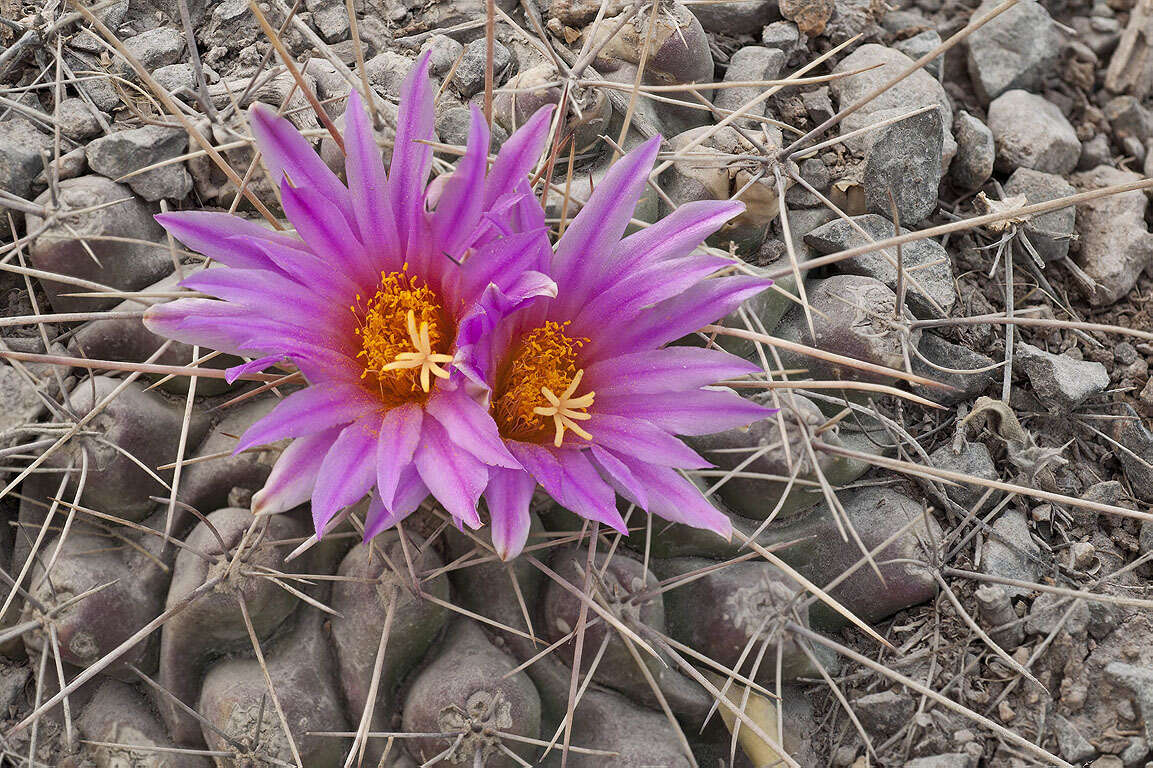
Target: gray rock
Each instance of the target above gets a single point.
(1095, 152)
(1139, 682)
(1134, 755)
(67, 166)
(920, 44)
(818, 105)
(976, 152)
(445, 52)
(1049, 233)
(123, 152)
(1074, 747)
(1115, 245)
(1060, 382)
(156, 47)
(76, 119)
(231, 26)
(1044, 142)
(469, 78)
(127, 266)
(904, 164)
(1046, 612)
(946, 354)
(947, 760)
(1135, 435)
(926, 285)
(782, 35)
(453, 124)
(1018, 49)
(330, 18)
(1128, 118)
(1010, 551)
(917, 90)
(176, 77)
(850, 317)
(20, 403)
(20, 162)
(752, 62)
(737, 17)
(973, 459)
(816, 174)
(884, 713)
(386, 72)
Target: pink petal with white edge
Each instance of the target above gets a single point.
(507, 497)
(674, 498)
(348, 471)
(452, 475)
(399, 434)
(310, 410)
(290, 483)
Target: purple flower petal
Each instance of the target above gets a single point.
(289, 155)
(309, 270)
(677, 500)
(412, 159)
(518, 155)
(452, 475)
(569, 478)
(368, 186)
(226, 327)
(667, 369)
(399, 434)
(619, 476)
(290, 482)
(410, 492)
(700, 412)
(471, 427)
(644, 287)
(499, 261)
(458, 210)
(508, 496)
(224, 237)
(696, 307)
(310, 410)
(672, 237)
(347, 472)
(267, 293)
(253, 366)
(642, 440)
(598, 227)
(328, 236)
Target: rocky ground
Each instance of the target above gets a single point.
(991, 539)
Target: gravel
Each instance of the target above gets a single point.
(1045, 142)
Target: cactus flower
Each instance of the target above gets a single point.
(385, 284)
(585, 392)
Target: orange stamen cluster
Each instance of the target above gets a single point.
(405, 337)
(535, 395)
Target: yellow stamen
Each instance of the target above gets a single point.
(424, 358)
(543, 363)
(405, 338)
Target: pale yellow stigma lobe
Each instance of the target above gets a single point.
(567, 410)
(423, 358)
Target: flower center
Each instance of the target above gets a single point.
(535, 397)
(405, 336)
